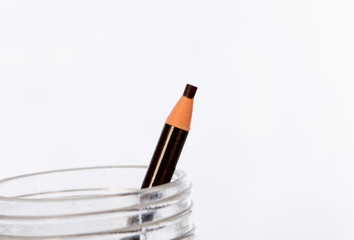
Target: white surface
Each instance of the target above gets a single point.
(85, 83)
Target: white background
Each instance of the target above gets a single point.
(270, 153)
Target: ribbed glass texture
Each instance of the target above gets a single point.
(98, 203)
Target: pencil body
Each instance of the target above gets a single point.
(172, 139)
(165, 157)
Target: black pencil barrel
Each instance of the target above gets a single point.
(165, 157)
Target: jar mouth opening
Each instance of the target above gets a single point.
(178, 178)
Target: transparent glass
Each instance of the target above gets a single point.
(94, 203)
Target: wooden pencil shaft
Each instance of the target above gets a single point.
(165, 157)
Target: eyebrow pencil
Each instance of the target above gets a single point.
(172, 139)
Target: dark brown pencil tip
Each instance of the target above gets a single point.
(190, 91)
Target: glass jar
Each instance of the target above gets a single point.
(94, 203)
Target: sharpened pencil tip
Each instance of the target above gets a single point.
(190, 91)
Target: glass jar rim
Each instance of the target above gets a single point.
(180, 177)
